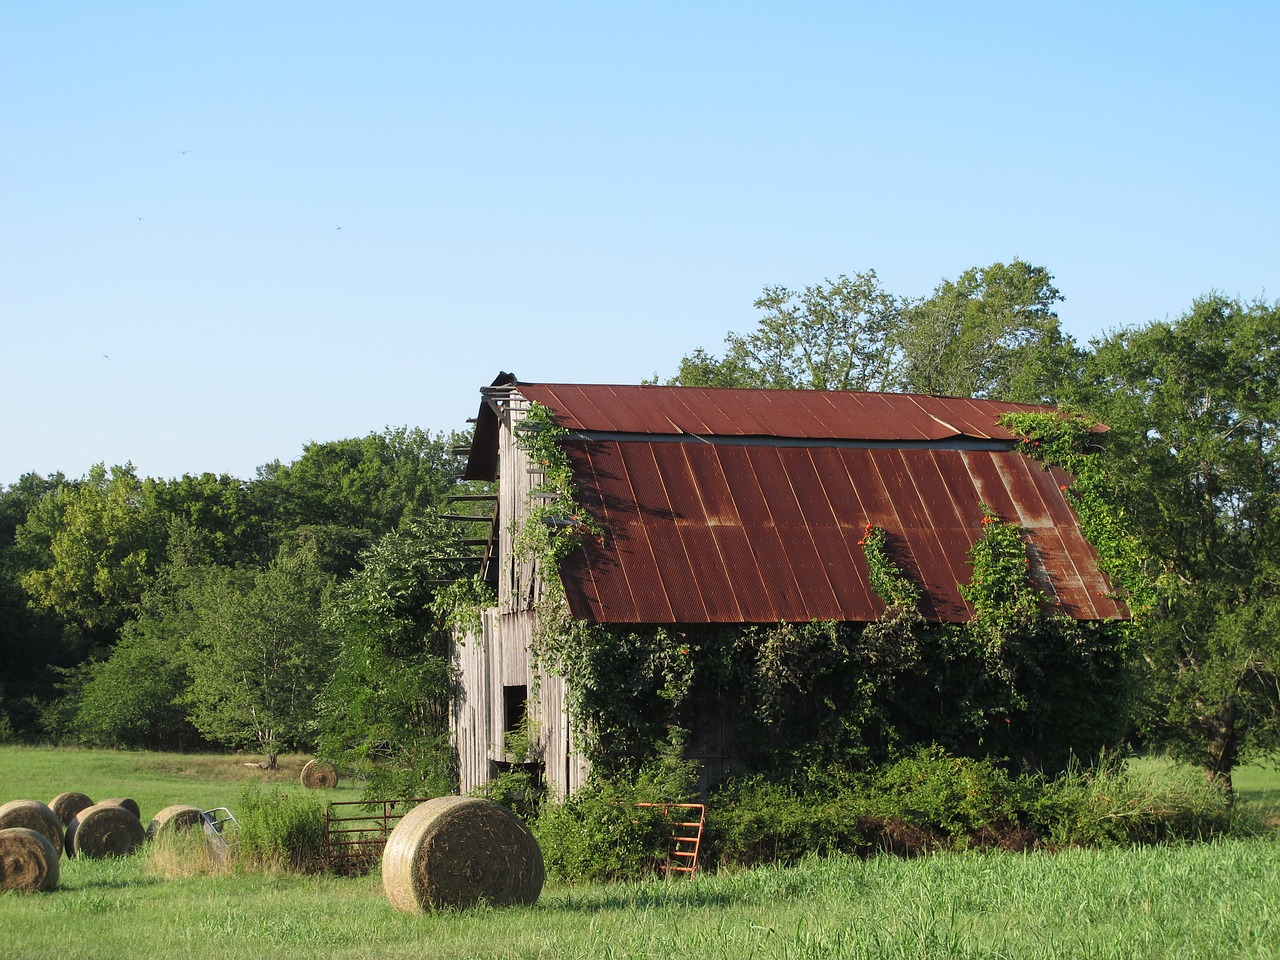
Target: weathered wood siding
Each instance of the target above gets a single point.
(499, 657)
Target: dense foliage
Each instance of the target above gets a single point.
(131, 608)
(925, 801)
(209, 610)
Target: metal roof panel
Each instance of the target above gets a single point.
(813, 414)
(702, 533)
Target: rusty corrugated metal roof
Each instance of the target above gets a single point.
(746, 506)
(710, 533)
(813, 414)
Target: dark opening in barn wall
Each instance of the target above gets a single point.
(515, 704)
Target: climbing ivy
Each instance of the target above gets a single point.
(891, 584)
(556, 524)
(1069, 441)
(1021, 681)
(1006, 600)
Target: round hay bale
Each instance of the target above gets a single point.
(319, 776)
(27, 860)
(34, 816)
(104, 830)
(180, 816)
(460, 851)
(67, 805)
(128, 804)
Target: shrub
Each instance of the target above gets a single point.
(932, 800)
(599, 834)
(279, 831)
(1108, 804)
(959, 796)
(755, 820)
(519, 789)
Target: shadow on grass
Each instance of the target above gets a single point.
(107, 883)
(658, 895)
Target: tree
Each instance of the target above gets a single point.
(836, 335)
(1194, 411)
(992, 332)
(386, 709)
(33, 642)
(258, 654)
(373, 483)
(133, 696)
(216, 517)
(98, 542)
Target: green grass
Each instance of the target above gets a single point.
(155, 780)
(1213, 900)
(1201, 901)
(1257, 786)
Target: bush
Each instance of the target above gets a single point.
(1108, 805)
(930, 801)
(755, 820)
(519, 789)
(959, 796)
(599, 835)
(279, 830)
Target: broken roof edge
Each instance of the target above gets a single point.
(482, 458)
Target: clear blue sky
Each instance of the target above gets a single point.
(231, 228)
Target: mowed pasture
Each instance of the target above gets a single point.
(155, 780)
(1212, 900)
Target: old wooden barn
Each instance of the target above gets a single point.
(742, 506)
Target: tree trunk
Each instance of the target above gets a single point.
(271, 762)
(1223, 748)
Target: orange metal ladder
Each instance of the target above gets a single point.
(686, 835)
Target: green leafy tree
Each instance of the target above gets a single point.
(837, 335)
(216, 517)
(99, 542)
(259, 653)
(373, 483)
(34, 642)
(386, 709)
(992, 332)
(133, 695)
(1194, 410)
(131, 699)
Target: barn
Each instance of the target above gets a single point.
(738, 506)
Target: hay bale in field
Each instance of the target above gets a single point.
(34, 816)
(27, 860)
(128, 804)
(104, 830)
(317, 775)
(67, 805)
(179, 816)
(460, 851)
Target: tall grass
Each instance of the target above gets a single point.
(1186, 900)
(278, 831)
(1213, 900)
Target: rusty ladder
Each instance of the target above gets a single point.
(686, 835)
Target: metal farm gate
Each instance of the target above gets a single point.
(356, 831)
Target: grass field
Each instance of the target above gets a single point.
(1214, 900)
(155, 780)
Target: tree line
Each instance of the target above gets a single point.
(309, 607)
(1189, 467)
(211, 611)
